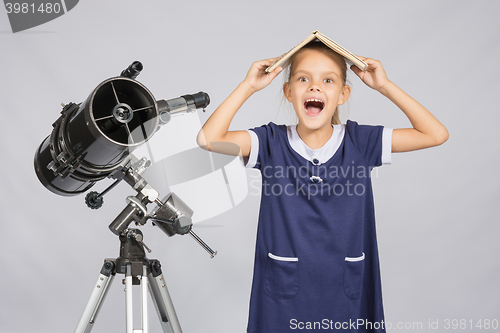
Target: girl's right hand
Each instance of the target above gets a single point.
(257, 78)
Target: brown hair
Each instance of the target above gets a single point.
(337, 58)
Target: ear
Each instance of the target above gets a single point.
(287, 91)
(344, 96)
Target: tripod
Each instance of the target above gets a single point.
(93, 140)
(173, 217)
(133, 263)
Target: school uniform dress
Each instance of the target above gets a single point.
(316, 259)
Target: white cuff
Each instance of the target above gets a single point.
(387, 146)
(254, 150)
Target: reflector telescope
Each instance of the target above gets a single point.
(93, 140)
(90, 139)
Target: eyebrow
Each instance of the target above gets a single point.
(324, 73)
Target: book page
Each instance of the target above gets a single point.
(350, 58)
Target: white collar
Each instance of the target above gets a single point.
(320, 155)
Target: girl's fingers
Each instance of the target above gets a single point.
(366, 59)
(356, 70)
(275, 73)
(269, 61)
(369, 61)
(263, 63)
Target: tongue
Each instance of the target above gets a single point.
(313, 109)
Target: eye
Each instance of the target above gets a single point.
(328, 81)
(302, 79)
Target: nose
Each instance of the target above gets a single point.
(314, 87)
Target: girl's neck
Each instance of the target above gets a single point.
(315, 138)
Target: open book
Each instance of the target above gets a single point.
(349, 57)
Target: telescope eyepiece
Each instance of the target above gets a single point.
(200, 100)
(133, 70)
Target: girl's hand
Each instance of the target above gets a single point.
(257, 78)
(375, 76)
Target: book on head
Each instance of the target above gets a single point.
(316, 35)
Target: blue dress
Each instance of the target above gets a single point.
(316, 260)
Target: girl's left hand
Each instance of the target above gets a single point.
(374, 76)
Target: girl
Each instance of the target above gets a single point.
(316, 260)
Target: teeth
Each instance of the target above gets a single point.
(314, 100)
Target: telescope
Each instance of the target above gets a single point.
(94, 140)
(90, 140)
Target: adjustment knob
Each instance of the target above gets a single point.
(93, 200)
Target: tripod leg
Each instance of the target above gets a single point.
(129, 300)
(96, 299)
(161, 298)
(129, 305)
(144, 296)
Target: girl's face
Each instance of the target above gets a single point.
(315, 88)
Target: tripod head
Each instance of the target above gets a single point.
(172, 215)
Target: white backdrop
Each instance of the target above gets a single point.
(437, 209)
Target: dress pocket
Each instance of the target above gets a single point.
(353, 276)
(281, 279)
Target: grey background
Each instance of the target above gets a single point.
(437, 209)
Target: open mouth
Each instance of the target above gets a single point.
(313, 106)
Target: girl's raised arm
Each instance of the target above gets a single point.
(427, 131)
(216, 128)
